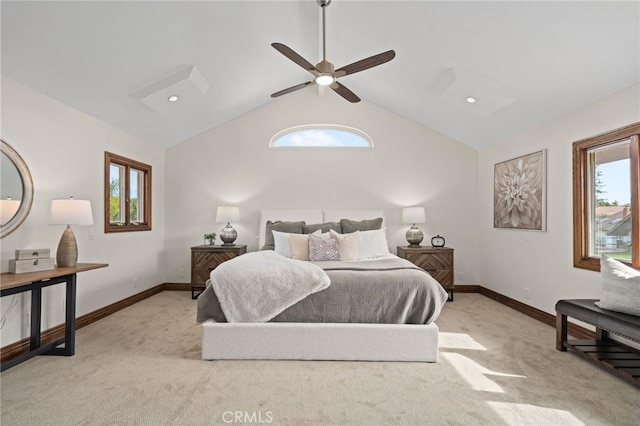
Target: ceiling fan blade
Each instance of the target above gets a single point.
(292, 89)
(344, 92)
(367, 63)
(291, 54)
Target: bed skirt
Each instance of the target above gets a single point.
(320, 341)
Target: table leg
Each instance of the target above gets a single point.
(36, 317)
(70, 322)
(561, 332)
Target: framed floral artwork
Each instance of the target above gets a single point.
(519, 192)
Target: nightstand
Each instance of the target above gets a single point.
(205, 259)
(437, 261)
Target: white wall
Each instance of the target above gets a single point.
(64, 150)
(409, 165)
(513, 260)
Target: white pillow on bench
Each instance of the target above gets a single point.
(620, 287)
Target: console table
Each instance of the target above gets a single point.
(34, 282)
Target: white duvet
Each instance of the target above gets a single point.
(257, 286)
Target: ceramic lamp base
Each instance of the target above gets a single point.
(67, 254)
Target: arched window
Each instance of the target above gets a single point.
(321, 135)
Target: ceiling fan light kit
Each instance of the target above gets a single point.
(324, 73)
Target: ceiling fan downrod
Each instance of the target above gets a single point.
(323, 4)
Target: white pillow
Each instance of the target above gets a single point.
(281, 243)
(373, 244)
(299, 246)
(348, 244)
(620, 287)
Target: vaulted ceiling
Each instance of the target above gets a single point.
(528, 62)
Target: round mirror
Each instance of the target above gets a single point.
(16, 190)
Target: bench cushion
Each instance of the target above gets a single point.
(587, 311)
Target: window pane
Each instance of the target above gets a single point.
(321, 135)
(116, 202)
(136, 195)
(610, 220)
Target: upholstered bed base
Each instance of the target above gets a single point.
(320, 341)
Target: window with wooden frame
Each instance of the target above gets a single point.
(127, 194)
(606, 198)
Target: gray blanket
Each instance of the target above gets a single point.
(387, 291)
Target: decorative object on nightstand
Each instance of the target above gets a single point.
(228, 214)
(437, 261)
(210, 239)
(69, 212)
(205, 259)
(437, 241)
(413, 215)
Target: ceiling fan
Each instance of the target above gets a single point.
(323, 72)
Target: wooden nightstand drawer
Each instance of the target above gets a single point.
(443, 276)
(205, 259)
(438, 262)
(431, 260)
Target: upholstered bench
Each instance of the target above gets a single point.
(613, 355)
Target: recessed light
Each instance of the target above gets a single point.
(172, 98)
(471, 99)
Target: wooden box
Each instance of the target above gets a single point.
(32, 254)
(17, 266)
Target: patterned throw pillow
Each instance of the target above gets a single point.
(321, 249)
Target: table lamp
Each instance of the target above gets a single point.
(414, 215)
(69, 212)
(228, 214)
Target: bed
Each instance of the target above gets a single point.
(380, 309)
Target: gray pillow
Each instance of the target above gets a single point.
(289, 227)
(323, 227)
(349, 226)
(620, 287)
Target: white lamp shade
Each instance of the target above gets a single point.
(227, 214)
(413, 215)
(8, 209)
(71, 212)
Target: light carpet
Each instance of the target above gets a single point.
(141, 366)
